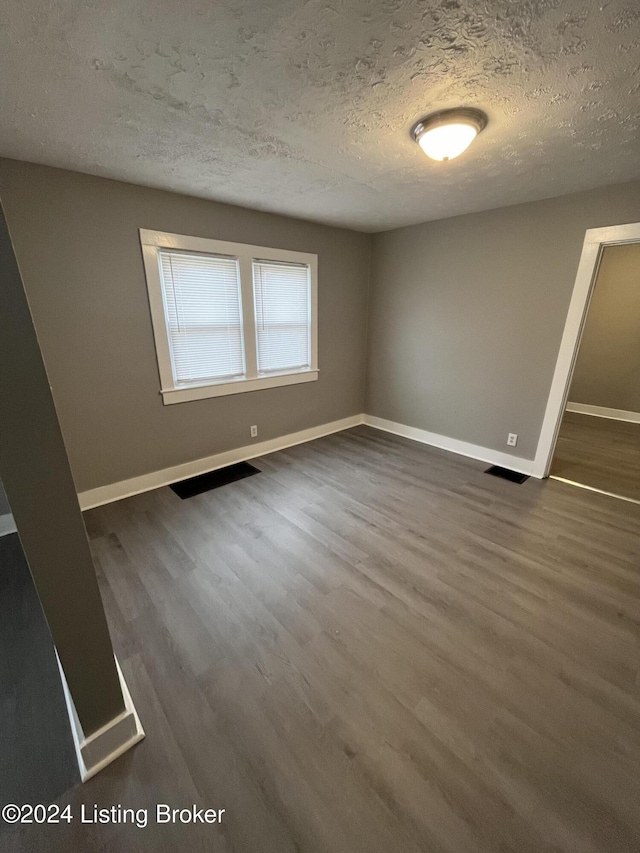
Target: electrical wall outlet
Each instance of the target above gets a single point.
(512, 440)
(254, 432)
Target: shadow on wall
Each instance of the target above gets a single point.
(37, 755)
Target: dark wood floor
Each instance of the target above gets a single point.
(373, 646)
(599, 452)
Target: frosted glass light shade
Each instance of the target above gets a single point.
(445, 135)
(447, 141)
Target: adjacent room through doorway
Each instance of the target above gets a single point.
(599, 440)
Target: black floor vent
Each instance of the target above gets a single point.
(213, 480)
(507, 474)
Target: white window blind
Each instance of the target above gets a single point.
(204, 316)
(283, 316)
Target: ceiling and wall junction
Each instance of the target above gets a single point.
(305, 108)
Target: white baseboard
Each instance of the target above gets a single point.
(98, 750)
(137, 485)
(474, 451)
(7, 525)
(604, 412)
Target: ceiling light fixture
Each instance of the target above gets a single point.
(446, 134)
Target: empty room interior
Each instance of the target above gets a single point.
(599, 440)
(320, 426)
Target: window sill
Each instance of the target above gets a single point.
(239, 386)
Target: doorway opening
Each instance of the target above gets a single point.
(591, 431)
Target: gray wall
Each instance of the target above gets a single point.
(465, 318)
(37, 478)
(76, 238)
(466, 315)
(608, 367)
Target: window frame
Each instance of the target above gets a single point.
(151, 242)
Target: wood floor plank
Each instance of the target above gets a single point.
(374, 646)
(599, 452)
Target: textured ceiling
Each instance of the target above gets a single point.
(305, 108)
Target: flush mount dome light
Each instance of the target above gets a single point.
(446, 134)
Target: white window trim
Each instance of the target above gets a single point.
(151, 242)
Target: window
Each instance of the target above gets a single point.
(203, 316)
(229, 317)
(283, 316)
